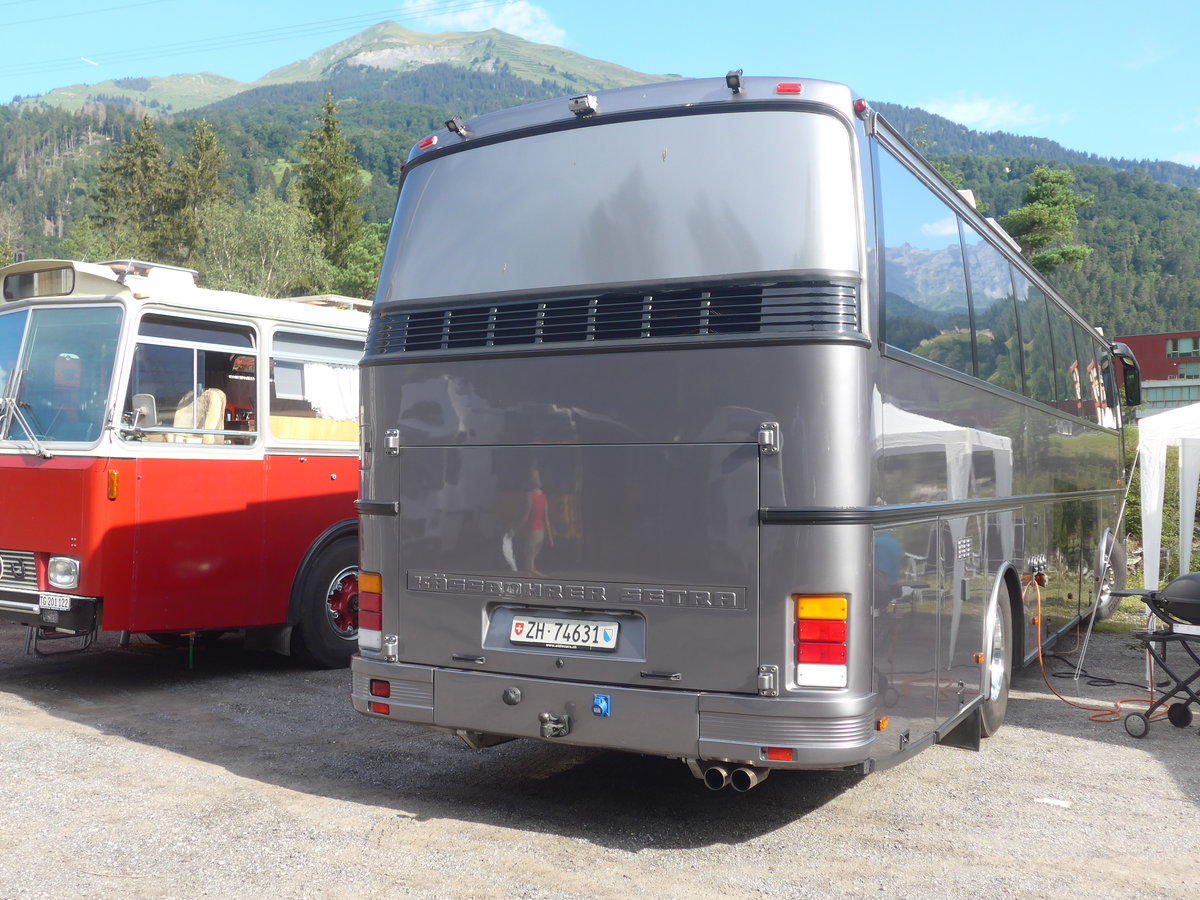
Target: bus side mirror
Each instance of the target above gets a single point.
(1131, 374)
(144, 410)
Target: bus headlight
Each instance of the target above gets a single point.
(63, 572)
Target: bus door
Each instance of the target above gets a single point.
(198, 522)
(198, 545)
(617, 564)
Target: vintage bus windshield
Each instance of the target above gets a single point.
(635, 202)
(56, 366)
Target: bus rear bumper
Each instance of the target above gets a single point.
(821, 733)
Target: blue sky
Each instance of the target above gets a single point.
(1116, 79)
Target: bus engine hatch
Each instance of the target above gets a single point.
(552, 561)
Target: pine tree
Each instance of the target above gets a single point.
(329, 185)
(195, 182)
(1045, 225)
(133, 196)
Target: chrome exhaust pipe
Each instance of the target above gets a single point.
(747, 777)
(716, 777)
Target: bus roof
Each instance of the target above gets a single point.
(690, 92)
(147, 283)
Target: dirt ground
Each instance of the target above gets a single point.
(129, 773)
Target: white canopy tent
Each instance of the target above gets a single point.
(1173, 428)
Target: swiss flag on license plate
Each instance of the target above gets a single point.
(519, 628)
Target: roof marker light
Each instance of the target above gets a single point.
(789, 87)
(430, 141)
(862, 107)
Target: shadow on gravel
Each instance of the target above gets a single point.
(1114, 669)
(260, 717)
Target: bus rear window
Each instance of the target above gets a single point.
(633, 202)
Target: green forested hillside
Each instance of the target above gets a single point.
(1144, 272)
(1144, 226)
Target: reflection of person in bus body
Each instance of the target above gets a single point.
(533, 528)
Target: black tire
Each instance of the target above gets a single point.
(1136, 725)
(1179, 715)
(326, 631)
(998, 659)
(1111, 578)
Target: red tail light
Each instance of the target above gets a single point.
(820, 630)
(822, 654)
(370, 601)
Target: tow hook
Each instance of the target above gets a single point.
(554, 726)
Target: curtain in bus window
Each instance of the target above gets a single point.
(332, 390)
(997, 346)
(1035, 336)
(314, 387)
(1067, 377)
(925, 287)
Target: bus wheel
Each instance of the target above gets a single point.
(326, 633)
(998, 657)
(1111, 572)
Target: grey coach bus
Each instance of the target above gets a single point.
(704, 419)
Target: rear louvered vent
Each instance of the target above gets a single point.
(829, 307)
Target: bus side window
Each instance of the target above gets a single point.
(920, 237)
(197, 384)
(1035, 335)
(1068, 386)
(996, 343)
(314, 387)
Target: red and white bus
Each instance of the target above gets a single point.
(176, 460)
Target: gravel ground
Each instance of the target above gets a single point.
(128, 774)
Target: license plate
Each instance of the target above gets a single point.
(566, 634)
(54, 601)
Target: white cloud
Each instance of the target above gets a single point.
(941, 228)
(1187, 159)
(517, 17)
(986, 114)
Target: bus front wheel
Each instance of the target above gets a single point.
(326, 633)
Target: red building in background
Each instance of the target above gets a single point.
(1170, 365)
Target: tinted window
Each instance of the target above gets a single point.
(1035, 335)
(1067, 375)
(997, 346)
(637, 201)
(925, 302)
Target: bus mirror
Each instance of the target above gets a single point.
(1131, 374)
(144, 410)
(1133, 386)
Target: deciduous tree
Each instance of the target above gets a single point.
(266, 248)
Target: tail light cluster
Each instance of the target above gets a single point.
(370, 611)
(821, 634)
